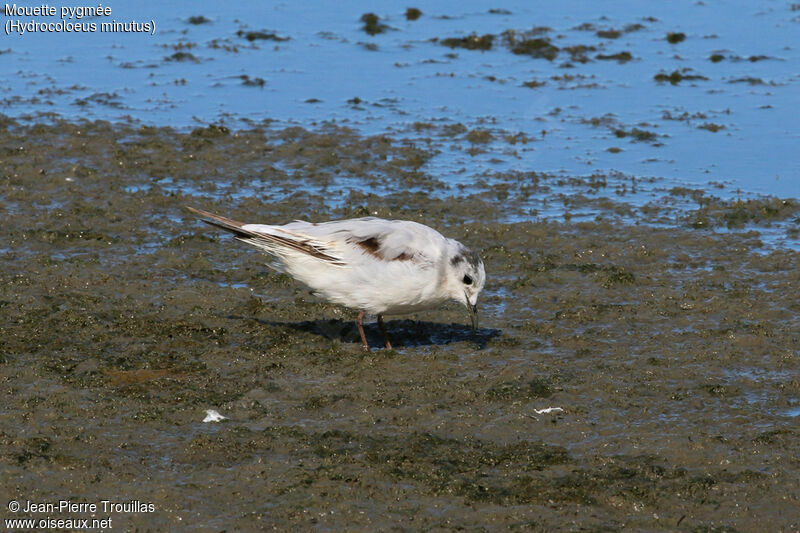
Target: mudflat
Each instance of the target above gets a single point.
(666, 338)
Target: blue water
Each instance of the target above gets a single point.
(402, 77)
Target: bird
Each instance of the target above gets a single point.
(371, 265)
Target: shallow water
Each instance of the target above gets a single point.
(640, 292)
(329, 69)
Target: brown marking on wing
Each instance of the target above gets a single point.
(250, 236)
(372, 246)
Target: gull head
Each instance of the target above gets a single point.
(465, 279)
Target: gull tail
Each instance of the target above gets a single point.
(268, 242)
(228, 224)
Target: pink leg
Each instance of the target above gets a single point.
(383, 330)
(360, 324)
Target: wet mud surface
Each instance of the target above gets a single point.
(667, 335)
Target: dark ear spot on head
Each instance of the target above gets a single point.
(474, 259)
(457, 259)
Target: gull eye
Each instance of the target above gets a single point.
(467, 280)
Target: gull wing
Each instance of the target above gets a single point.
(384, 240)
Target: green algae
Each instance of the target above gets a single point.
(675, 37)
(538, 48)
(261, 36)
(620, 57)
(373, 24)
(470, 42)
(636, 134)
(412, 13)
(677, 76)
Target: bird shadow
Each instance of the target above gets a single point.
(402, 333)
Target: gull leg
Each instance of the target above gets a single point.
(383, 330)
(360, 324)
